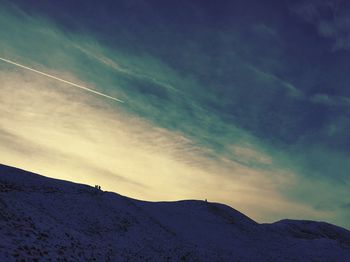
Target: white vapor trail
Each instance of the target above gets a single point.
(60, 79)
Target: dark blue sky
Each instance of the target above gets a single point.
(277, 71)
(228, 47)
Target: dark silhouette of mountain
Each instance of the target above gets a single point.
(43, 218)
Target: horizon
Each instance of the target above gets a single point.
(238, 102)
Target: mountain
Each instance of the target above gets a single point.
(43, 219)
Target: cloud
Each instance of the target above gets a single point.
(74, 136)
(330, 19)
(249, 155)
(330, 100)
(219, 122)
(273, 80)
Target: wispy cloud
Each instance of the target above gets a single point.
(235, 132)
(329, 100)
(330, 18)
(86, 141)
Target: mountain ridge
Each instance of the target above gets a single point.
(43, 218)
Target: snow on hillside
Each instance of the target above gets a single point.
(43, 219)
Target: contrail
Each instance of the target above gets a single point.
(62, 80)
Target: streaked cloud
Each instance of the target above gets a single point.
(330, 100)
(74, 136)
(247, 117)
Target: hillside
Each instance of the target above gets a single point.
(43, 218)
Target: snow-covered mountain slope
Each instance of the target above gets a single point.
(43, 219)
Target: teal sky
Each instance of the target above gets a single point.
(241, 102)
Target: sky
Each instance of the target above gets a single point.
(240, 102)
